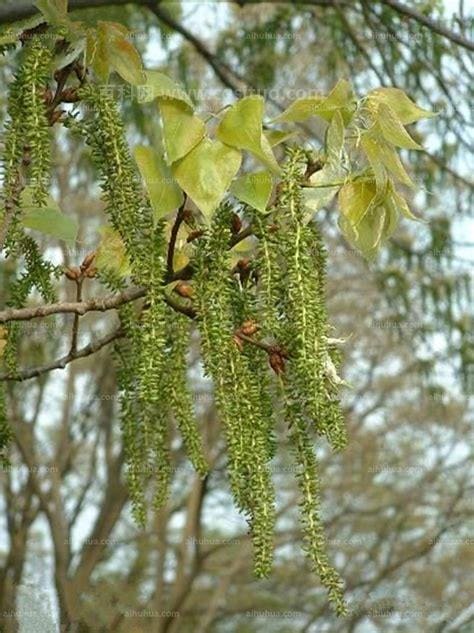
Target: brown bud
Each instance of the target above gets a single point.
(194, 235)
(187, 216)
(238, 341)
(277, 362)
(72, 273)
(91, 272)
(249, 327)
(70, 95)
(48, 96)
(184, 289)
(55, 116)
(235, 224)
(87, 261)
(58, 74)
(243, 264)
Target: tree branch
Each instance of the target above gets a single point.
(431, 24)
(76, 307)
(61, 363)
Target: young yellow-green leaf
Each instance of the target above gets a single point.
(266, 155)
(206, 173)
(376, 226)
(377, 150)
(392, 128)
(380, 172)
(254, 189)
(355, 200)
(404, 108)
(50, 221)
(72, 52)
(402, 205)
(96, 54)
(275, 137)
(55, 11)
(163, 191)
(335, 139)
(182, 130)
(300, 110)
(125, 60)
(10, 34)
(111, 253)
(160, 86)
(241, 127)
(325, 183)
(340, 99)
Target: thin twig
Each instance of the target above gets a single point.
(61, 363)
(75, 325)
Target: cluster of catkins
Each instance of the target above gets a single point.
(253, 388)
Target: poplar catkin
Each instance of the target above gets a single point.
(176, 388)
(131, 216)
(6, 434)
(244, 429)
(27, 152)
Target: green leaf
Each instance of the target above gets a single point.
(206, 173)
(164, 193)
(72, 53)
(96, 55)
(340, 99)
(392, 128)
(55, 11)
(126, 61)
(48, 219)
(378, 151)
(335, 139)
(378, 168)
(402, 205)
(355, 200)
(404, 108)
(254, 189)
(111, 253)
(160, 86)
(300, 110)
(182, 130)
(325, 183)
(241, 127)
(11, 33)
(275, 137)
(108, 48)
(375, 227)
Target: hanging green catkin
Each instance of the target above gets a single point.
(27, 153)
(6, 434)
(35, 124)
(126, 358)
(151, 365)
(245, 310)
(130, 214)
(305, 330)
(178, 340)
(270, 283)
(308, 482)
(304, 333)
(247, 447)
